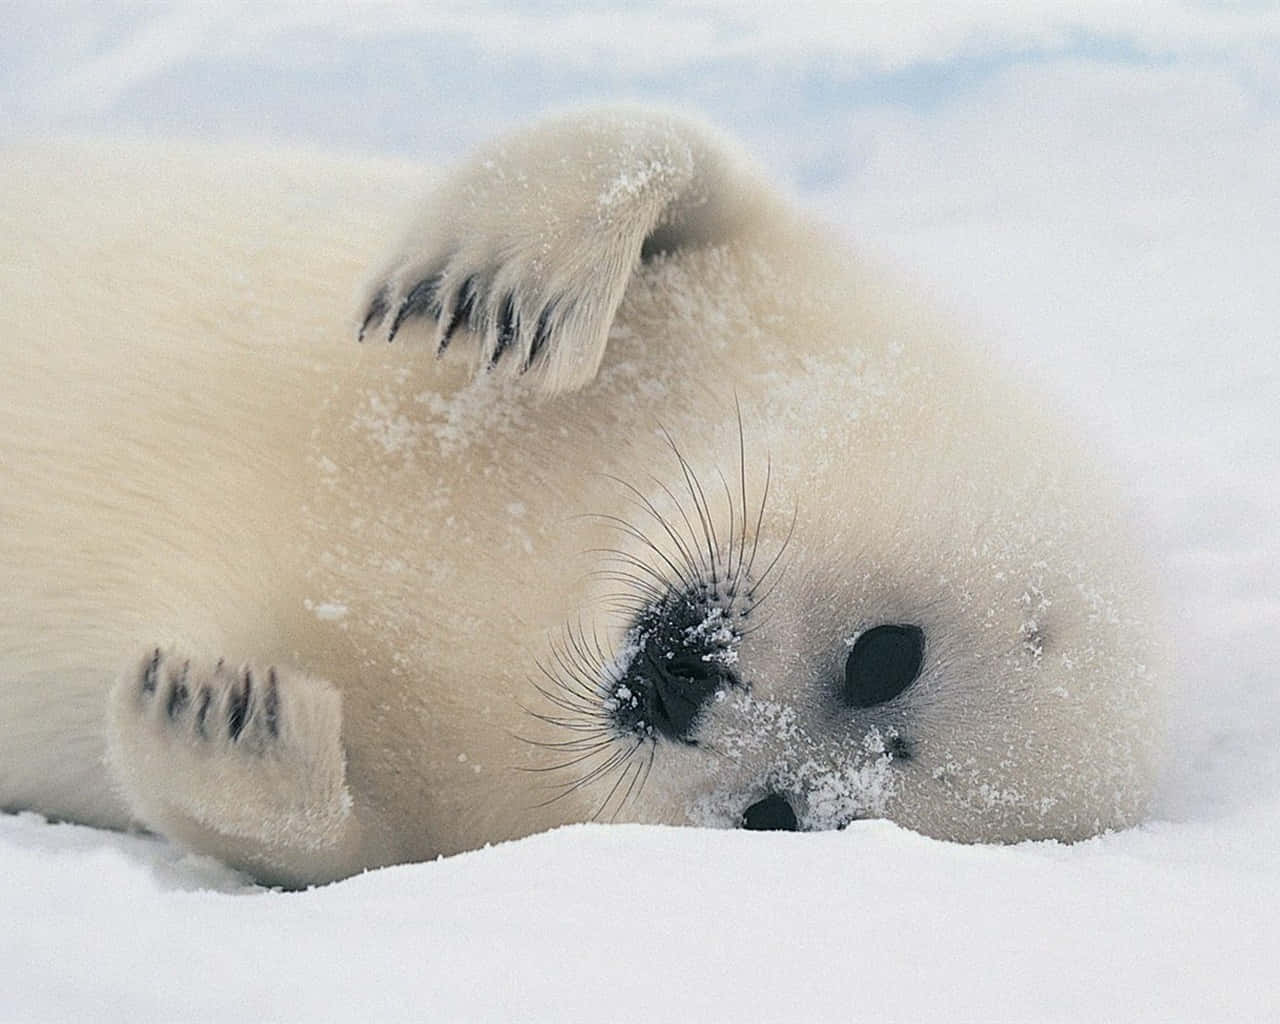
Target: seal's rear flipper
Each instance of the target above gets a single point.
(528, 248)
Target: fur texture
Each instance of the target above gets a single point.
(606, 531)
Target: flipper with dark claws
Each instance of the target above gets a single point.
(243, 763)
(528, 249)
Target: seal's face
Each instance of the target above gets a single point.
(731, 688)
(928, 659)
(695, 678)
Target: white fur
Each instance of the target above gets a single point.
(200, 459)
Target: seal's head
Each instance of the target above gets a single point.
(966, 652)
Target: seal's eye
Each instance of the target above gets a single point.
(884, 661)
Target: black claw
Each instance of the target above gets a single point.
(238, 708)
(377, 310)
(541, 335)
(271, 704)
(462, 311)
(179, 697)
(470, 295)
(149, 673)
(202, 710)
(420, 301)
(507, 326)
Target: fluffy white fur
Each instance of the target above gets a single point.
(299, 602)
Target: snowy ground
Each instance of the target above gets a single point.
(1093, 187)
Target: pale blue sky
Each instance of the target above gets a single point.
(433, 78)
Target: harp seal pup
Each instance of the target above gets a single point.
(660, 507)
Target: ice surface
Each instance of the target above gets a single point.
(1091, 184)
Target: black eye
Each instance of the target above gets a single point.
(884, 662)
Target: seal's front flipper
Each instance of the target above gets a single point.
(245, 764)
(527, 250)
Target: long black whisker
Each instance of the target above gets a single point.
(639, 498)
(623, 558)
(728, 568)
(742, 474)
(578, 705)
(564, 764)
(772, 587)
(694, 556)
(612, 762)
(699, 504)
(795, 514)
(631, 787)
(592, 742)
(632, 531)
(616, 758)
(618, 782)
(764, 498)
(632, 581)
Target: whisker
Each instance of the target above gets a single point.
(616, 758)
(648, 767)
(742, 474)
(581, 695)
(697, 563)
(772, 587)
(639, 498)
(589, 744)
(764, 498)
(674, 556)
(627, 795)
(728, 568)
(699, 504)
(632, 531)
(538, 769)
(600, 735)
(631, 581)
(568, 790)
(618, 782)
(795, 514)
(661, 582)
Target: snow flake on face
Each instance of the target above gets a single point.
(829, 783)
(618, 695)
(989, 796)
(837, 796)
(483, 409)
(326, 611)
(861, 787)
(1034, 606)
(621, 697)
(716, 631)
(770, 723)
(383, 422)
(630, 183)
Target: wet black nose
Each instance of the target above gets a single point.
(772, 814)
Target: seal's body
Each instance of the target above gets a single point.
(658, 507)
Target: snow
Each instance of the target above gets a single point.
(326, 611)
(631, 923)
(1091, 186)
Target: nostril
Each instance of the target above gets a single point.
(772, 814)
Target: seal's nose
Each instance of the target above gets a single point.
(772, 814)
